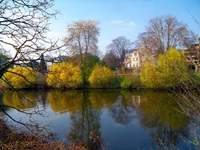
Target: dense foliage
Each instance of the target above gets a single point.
(125, 83)
(64, 75)
(149, 75)
(87, 66)
(170, 70)
(101, 77)
(19, 77)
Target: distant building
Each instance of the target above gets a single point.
(27, 63)
(60, 58)
(193, 56)
(132, 59)
(50, 60)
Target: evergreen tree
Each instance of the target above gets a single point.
(43, 65)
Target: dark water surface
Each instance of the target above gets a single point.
(120, 119)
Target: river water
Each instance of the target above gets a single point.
(113, 119)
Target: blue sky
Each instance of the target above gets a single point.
(122, 17)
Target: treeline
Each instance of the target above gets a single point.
(169, 71)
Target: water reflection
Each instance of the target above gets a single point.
(160, 108)
(2, 106)
(103, 98)
(19, 100)
(85, 125)
(159, 111)
(94, 113)
(121, 112)
(65, 101)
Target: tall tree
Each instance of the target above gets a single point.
(119, 47)
(111, 60)
(43, 65)
(82, 38)
(162, 33)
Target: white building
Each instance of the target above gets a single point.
(132, 59)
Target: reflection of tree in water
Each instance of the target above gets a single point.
(65, 101)
(19, 100)
(165, 137)
(42, 98)
(2, 106)
(122, 114)
(84, 124)
(161, 113)
(26, 104)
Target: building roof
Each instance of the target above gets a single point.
(131, 51)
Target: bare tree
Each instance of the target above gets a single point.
(119, 47)
(111, 60)
(23, 25)
(82, 37)
(162, 33)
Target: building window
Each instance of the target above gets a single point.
(135, 54)
(136, 58)
(133, 59)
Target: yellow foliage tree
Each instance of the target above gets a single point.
(172, 68)
(64, 75)
(19, 77)
(170, 71)
(149, 75)
(101, 76)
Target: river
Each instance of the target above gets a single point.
(113, 119)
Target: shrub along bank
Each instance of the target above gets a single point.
(158, 74)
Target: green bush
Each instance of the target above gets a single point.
(194, 80)
(115, 82)
(134, 80)
(126, 83)
(196, 77)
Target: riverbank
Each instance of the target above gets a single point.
(10, 139)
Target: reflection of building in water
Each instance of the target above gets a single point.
(136, 101)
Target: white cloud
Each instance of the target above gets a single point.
(117, 22)
(132, 24)
(121, 22)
